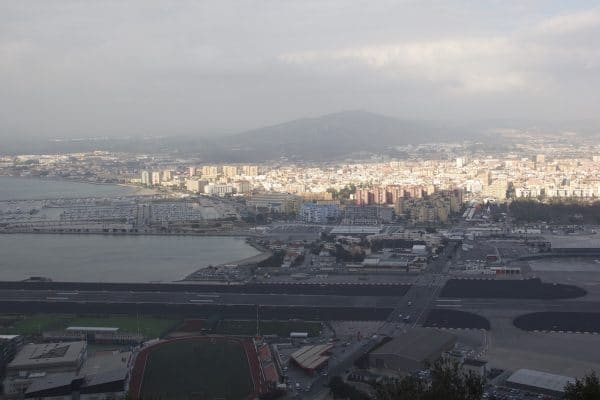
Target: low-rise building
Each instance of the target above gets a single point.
(412, 350)
(9, 346)
(318, 213)
(539, 382)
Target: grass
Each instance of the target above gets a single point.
(197, 369)
(279, 328)
(35, 324)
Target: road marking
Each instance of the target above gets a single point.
(67, 293)
(444, 300)
(448, 305)
(202, 301)
(57, 298)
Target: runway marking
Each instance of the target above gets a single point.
(57, 298)
(448, 300)
(67, 293)
(202, 301)
(449, 305)
(208, 295)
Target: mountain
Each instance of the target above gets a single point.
(330, 136)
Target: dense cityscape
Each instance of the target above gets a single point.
(418, 258)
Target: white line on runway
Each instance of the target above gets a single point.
(448, 305)
(57, 298)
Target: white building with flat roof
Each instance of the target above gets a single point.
(539, 382)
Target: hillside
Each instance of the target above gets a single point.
(330, 136)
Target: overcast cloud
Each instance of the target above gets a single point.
(90, 68)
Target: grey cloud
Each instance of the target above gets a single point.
(88, 68)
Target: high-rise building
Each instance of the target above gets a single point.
(210, 170)
(250, 170)
(146, 178)
(230, 171)
(195, 185)
(192, 171)
(242, 186)
(167, 175)
(155, 178)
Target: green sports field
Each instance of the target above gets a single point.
(202, 369)
(36, 324)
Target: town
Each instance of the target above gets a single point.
(368, 271)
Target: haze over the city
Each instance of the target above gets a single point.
(86, 69)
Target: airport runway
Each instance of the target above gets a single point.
(158, 297)
(200, 304)
(322, 302)
(288, 288)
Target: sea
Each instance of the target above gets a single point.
(108, 258)
(104, 258)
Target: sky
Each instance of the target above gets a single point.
(158, 68)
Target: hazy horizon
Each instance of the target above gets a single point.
(73, 69)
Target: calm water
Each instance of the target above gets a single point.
(12, 188)
(100, 258)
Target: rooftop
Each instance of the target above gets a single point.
(474, 362)
(311, 357)
(103, 329)
(417, 344)
(8, 337)
(48, 354)
(540, 380)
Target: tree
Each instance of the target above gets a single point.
(409, 388)
(587, 388)
(341, 390)
(448, 382)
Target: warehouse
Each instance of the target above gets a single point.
(539, 382)
(411, 350)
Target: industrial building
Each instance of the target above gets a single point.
(539, 382)
(411, 350)
(63, 370)
(35, 361)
